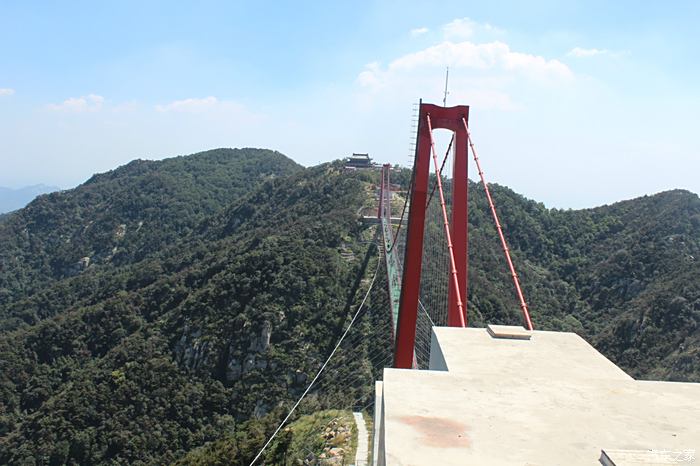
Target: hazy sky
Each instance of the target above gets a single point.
(572, 103)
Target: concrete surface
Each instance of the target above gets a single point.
(550, 400)
(377, 432)
(362, 440)
(646, 457)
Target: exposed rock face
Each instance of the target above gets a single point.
(249, 363)
(234, 368)
(78, 267)
(84, 263)
(253, 359)
(190, 351)
(262, 343)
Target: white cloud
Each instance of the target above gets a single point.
(460, 28)
(419, 31)
(371, 76)
(460, 50)
(491, 56)
(201, 105)
(580, 52)
(210, 109)
(485, 73)
(466, 28)
(487, 99)
(189, 105)
(88, 103)
(6, 91)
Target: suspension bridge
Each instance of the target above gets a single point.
(404, 251)
(500, 395)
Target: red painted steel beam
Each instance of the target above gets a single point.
(413, 255)
(447, 118)
(459, 229)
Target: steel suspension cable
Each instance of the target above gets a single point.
(320, 371)
(403, 211)
(420, 304)
(429, 292)
(334, 375)
(504, 244)
(442, 167)
(340, 380)
(436, 277)
(447, 228)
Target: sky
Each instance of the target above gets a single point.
(574, 104)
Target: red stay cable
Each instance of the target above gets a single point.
(453, 266)
(519, 291)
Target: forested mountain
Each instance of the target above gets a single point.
(142, 360)
(122, 216)
(218, 283)
(13, 199)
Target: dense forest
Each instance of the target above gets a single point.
(170, 311)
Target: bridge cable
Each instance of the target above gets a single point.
(440, 252)
(447, 153)
(436, 254)
(453, 265)
(403, 211)
(408, 194)
(318, 374)
(504, 245)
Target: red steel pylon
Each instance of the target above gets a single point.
(449, 118)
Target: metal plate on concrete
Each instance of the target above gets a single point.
(512, 332)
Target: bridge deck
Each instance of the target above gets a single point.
(549, 400)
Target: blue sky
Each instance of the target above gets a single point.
(573, 103)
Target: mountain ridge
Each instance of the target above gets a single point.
(12, 199)
(86, 225)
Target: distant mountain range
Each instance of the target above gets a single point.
(13, 199)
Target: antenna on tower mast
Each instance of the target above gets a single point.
(447, 76)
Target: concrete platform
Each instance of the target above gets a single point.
(549, 400)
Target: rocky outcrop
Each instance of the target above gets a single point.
(262, 343)
(254, 358)
(191, 351)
